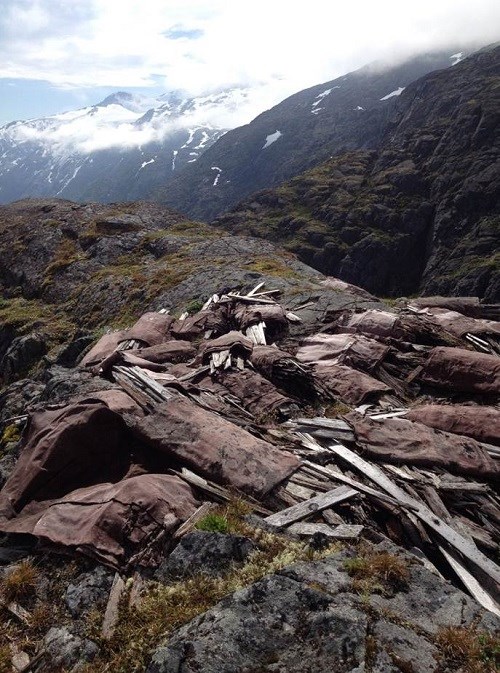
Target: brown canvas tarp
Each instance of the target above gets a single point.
(377, 323)
(460, 370)
(466, 305)
(78, 445)
(235, 342)
(106, 345)
(353, 350)
(169, 351)
(480, 422)
(256, 394)
(273, 315)
(399, 440)
(351, 386)
(215, 318)
(151, 328)
(109, 521)
(459, 325)
(214, 447)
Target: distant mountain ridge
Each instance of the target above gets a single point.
(119, 149)
(420, 214)
(347, 113)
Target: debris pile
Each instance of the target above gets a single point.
(374, 424)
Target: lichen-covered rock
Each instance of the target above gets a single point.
(310, 618)
(69, 651)
(202, 551)
(90, 589)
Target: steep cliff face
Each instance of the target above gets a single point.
(305, 129)
(419, 214)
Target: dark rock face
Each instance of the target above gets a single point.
(420, 214)
(69, 651)
(68, 269)
(306, 619)
(90, 589)
(210, 553)
(305, 129)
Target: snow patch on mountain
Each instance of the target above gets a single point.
(456, 58)
(216, 179)
(396, 92)
(272, 138)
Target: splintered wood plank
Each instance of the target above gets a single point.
(442, 529)
(190, 523)
(316, 504)
(111, 615)
(343, 531)
(331, 517)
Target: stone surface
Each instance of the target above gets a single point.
(89, 590)
(67, 650)
(209, 553)
(307, 619)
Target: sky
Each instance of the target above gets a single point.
(58, 55)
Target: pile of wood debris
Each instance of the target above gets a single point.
(383, 423)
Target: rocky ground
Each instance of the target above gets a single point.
(208, 584)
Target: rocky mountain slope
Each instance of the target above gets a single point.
(265, 471)
(420, 214)
(347, 113)
(120, 149)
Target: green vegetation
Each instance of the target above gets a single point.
(213, 523)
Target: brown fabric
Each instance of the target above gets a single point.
(106, 345)
(353, 350)
(377, 323)
(351, 386)
(264, 358)
(342, 286)
(151, 328)
(235, 342)
(480, 422)
(78, 445)
(115, 399)
(466, 305)
(215, 318)
(126, 358)
(170, 351)
(273, 315)
(215, 448)
(398, 440)
(460, 370)
(255, 393)
(109, 521)
(458, 324)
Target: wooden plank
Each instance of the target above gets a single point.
(111, 615)
(359, 486)
(443, 530)
(331, 517)
(191, 522)
(316, 504)
(476, 590)
(341, 532)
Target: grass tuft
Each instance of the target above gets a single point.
(21, 582)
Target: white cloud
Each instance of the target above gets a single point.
(200, 45)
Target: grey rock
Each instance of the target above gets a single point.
(201, 551)
(23, 353)
(403, 649)
(89, 589)
(277, 624)
(306, 618)
(67, 650)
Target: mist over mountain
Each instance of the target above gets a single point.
(347, 113)
(121, 148)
